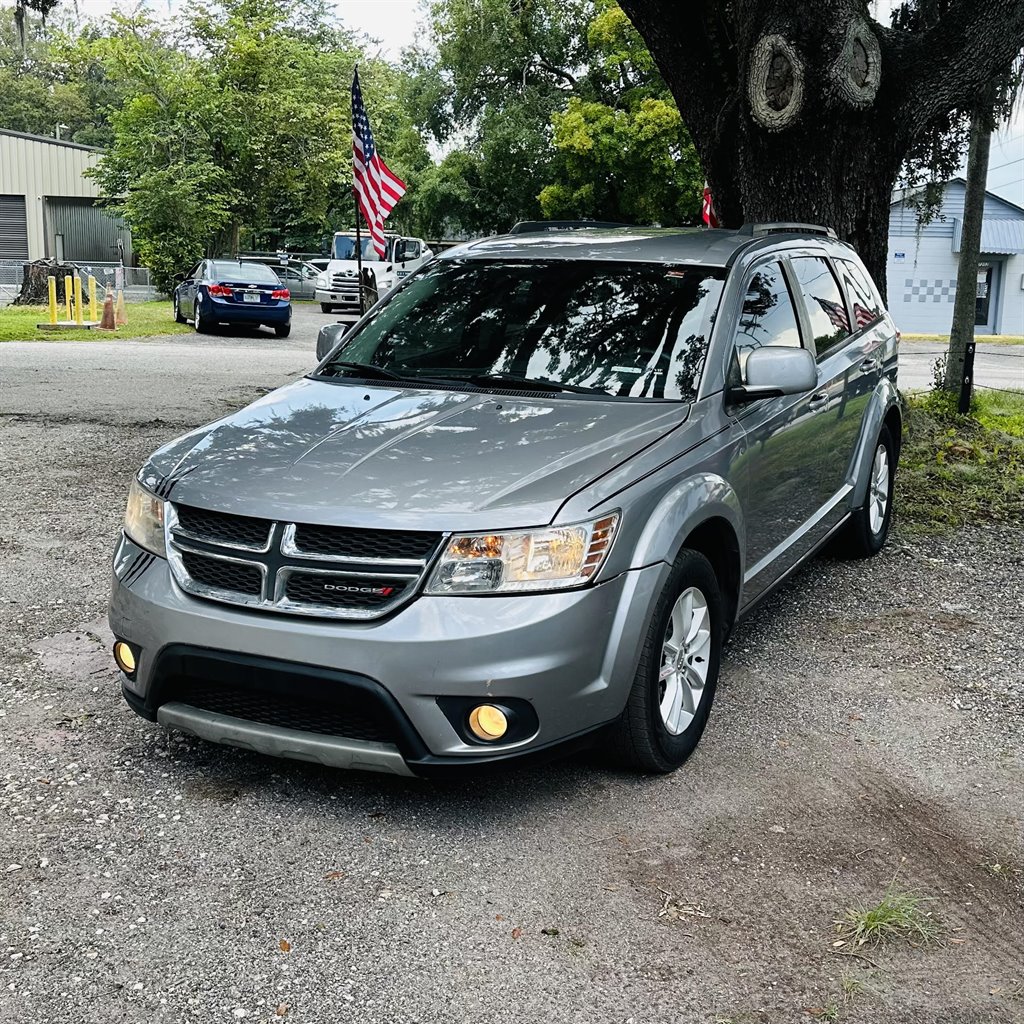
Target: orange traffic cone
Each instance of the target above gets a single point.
(119, 318)
(107, 323)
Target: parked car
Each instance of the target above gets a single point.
(519, 507)
(240, 293)
(298, 276)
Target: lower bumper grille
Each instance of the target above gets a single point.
(284, 712)
(280, 694)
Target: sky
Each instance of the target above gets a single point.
(392, 22)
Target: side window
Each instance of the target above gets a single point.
(767, 318)
(200, 272)
(830, 323)
(867, 306)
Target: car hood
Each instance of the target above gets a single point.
(352, 454)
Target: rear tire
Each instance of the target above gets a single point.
(324, 308)
(677, 674)
(866, 532)
(282, 330)
(202, 324)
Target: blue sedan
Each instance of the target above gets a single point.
(233, 292)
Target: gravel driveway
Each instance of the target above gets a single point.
(868, 725)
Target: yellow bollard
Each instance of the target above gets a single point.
(51, 282)
(79, 319)
(92, 299)
(67, 296)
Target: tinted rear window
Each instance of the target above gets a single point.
(256, 273)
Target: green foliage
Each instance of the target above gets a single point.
(561, 114)
(898, 915)
(957, 469)
(41, 89)
(236, 127)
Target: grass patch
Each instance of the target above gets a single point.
(900, 914)
(18, 323)
(960, 469)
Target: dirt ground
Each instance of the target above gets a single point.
(868, 726)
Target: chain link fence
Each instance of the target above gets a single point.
(136, 281)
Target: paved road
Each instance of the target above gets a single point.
(995, 366)
(867, 723)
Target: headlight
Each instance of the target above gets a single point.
(552, 558)
(323, 281)
(144, 519)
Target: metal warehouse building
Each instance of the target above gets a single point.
(48, 207)
(921, 271)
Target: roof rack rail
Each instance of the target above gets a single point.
(783, 225)
(524, 227)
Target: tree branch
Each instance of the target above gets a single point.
(929, 72)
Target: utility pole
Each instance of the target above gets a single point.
(958, 368)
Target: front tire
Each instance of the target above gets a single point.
(677, 674)
(324, 308)
(178, 318)
(868, 528)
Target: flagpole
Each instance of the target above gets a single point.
(355, 200)
(359, 252)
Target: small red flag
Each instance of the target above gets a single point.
(708, 214)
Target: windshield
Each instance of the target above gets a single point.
(345, 248)
(636, 330)
(257, 273)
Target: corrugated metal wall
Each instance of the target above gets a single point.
(35, 167)
(13, 228)
(90, 232)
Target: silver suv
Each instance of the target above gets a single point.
(519, 507)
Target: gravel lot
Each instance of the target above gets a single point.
(868, 724)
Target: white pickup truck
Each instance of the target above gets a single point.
(337, 287)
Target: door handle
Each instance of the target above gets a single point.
(819, 399)
(870, 365)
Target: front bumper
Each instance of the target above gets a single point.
(570, 656)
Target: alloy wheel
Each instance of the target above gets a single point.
(685, 657)
(878, 497)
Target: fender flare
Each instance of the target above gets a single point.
(681, 510)
(884, 399)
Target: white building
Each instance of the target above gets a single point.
(922, 265)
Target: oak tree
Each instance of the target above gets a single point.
(807, 112)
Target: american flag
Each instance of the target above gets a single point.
(377, 189)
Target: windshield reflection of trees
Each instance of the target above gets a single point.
(629, 330)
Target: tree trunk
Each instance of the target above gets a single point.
(965, 306)
(806, 112)
(34, 288)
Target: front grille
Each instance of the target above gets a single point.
(346, 283)
(331, 719)
(296, 569)
(341, 592)
(223, 575)
(342, 542)
(220, 528)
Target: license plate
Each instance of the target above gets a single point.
(250, 296)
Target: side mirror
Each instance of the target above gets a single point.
(775, 371)
(329, 337)
(401, 248)
(178, 278)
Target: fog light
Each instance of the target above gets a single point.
(124, 657)
(488, 722)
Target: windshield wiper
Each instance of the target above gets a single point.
(527, 383)
(365, 369)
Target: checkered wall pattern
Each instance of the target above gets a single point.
(935, 290)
